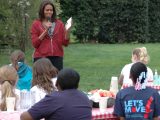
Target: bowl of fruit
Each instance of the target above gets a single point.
(95, 95)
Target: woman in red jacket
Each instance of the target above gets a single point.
(49, 35)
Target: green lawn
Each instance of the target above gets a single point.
(97, 63)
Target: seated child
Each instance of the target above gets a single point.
(8, 79)
(24, 71)
(44, 78)
(138, 101)
(138, 55)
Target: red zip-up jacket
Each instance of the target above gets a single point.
(48, 46)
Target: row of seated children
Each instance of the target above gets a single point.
(19, 76)
(63, 100)
(43, 71)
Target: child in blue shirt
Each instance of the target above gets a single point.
(24, 71)
(139, 101)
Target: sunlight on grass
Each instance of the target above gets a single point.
(97, 63)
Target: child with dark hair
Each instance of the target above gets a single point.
(44, 78)
(63, 83)
(68, 103)
(24, 71)
(138, 101)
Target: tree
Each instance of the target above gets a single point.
(83, 16)
(16, 17)
(154, 20)
(114, 20)
(13, 16)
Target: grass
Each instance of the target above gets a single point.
(97, 63)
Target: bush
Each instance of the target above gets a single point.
(115, 21)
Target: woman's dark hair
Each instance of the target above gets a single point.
(41, 10)
(68, 79)
(136, 70)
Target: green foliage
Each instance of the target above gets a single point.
(4, 18)
(123, 21)
(14, 32)
(15, 19)
(154, 20)
(83, 16)
(21, 15)
(114, 21)
(129, 21)
(69, 8)
(105, 21)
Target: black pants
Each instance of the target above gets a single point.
(55, 60)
